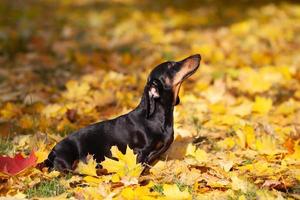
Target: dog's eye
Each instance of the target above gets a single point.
(158, 83)
(170, 64)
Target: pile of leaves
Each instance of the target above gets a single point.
(237, 131)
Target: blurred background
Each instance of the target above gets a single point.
(65, 64)
(78, 61)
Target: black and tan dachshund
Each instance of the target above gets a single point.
(148, 129)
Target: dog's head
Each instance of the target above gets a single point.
(164, 82)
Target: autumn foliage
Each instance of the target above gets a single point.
(68, 64)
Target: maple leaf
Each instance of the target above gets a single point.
(10, 111)
(88, 168)
(239, 183)
(17, 164)
(252, 81)
(172, 192)
(200, 155)
(126, 164)
(140, 192)
(227, 161)
(242, 110)
(262, 105)
(54, 110)
(246, 136)
(227, 143)
(267, 145)
(76, 90)
(41, 152)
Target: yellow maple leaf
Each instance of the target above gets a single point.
(240, 183)
(225, 120)
(137, 193)
(126, 164)
(10, 111)
(252, 81)
(286, 108)
(54, 110)
(76, 90)
(227, 161)
(250, 135)
(246, 136)
(267, 145)
(217, 108)
(227, 143)
(42, 152)
(262, 105)
(241, 141)
(172, 192)
(88, 168)
(94, 181)
(199, 154)
(242, 110)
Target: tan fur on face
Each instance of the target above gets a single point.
(176, 89)
(185, 69)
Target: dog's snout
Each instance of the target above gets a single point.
(192, 61)
(196, 57)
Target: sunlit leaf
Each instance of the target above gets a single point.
(88, 168)
(262, 105)
(126, 164)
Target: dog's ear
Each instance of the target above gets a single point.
(152, 93)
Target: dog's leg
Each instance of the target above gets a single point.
(156, 153)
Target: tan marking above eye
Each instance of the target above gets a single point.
(168, 81)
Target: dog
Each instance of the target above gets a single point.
(148, 129)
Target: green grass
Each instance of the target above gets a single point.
(46, 189)
(158, 188)
(5, 146)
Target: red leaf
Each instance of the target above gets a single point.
(12, 166)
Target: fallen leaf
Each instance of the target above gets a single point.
(126, 164)
(262, 105)
(88, 168)
(267, 145)
(200, 155)
(17, 164)
(172, 192)
(273, 184)
(239, 183)
(76, 90)
(289, 145)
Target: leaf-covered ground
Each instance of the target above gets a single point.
(66, 64)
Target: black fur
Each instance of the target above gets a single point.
(148, 129)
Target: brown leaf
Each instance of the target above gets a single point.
(71, 115)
